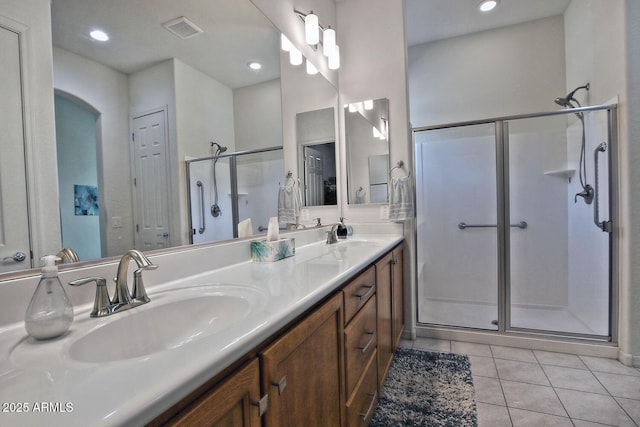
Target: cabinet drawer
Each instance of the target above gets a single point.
(361, 339)
(358, 292)
(363, 403)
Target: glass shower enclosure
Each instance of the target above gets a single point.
(229, 188)
(515, 221)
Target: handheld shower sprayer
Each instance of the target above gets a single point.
(215, 208)
(566, 101)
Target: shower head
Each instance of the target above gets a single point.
(221, 148)
(566, 101)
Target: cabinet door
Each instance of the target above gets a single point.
(230, 404)
(397, 312)
(303, 371)
(384, 300)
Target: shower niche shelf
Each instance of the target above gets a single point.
(562, 173)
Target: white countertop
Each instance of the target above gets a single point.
(42, 379)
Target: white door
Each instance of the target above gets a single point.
(14, 224)
(149, 154)
(313, 177)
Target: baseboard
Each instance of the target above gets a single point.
(628, 359)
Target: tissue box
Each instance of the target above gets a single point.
(264, 251)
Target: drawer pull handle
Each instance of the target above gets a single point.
(262, 404)
(282, 384)
(370, 290)
(373, 395)
(368, 344)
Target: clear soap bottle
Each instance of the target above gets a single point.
(49, 313)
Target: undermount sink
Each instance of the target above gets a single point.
(172, 319)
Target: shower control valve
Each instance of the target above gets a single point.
(587, 194)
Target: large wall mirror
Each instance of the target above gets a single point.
(367, 141)
(184, 73)
(316, 144)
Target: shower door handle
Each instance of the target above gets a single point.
(463, 225)
(605, 226)
(202, 225)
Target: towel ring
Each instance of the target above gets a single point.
(400, 165)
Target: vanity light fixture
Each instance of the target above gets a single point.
(368, 104)
(99, 35)
(488, 5)
(311, 29)
(285, 44)
(353, 108)
(334, 59)
(328, 41)
(311, 69)
(295, 56)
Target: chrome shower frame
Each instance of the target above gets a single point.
(503, 229)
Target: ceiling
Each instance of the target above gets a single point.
(430, 20)
(235, 32)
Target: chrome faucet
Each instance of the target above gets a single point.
(332, 236)
(122, 299)
(138, 295)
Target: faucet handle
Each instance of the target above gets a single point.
(101, 303)
(139, 293)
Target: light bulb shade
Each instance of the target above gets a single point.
(285, 43)
(334, 59)
(368, 104)
(353, 108)
(311, 29)
(311, 69)
(328, 41)
(295, 56)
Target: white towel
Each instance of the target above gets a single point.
(245, 229)
(401, 205)
(289, 203)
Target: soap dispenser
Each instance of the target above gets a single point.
(49, 313)
(342, 231)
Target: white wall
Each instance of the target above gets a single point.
(257, 116)
(105, 90)
(35, 18)
(511, 70)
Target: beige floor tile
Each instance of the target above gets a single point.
(620, 385)
(525, 372)
(493, 415)
(612, 366)
(488, 390)
(532, 397)
(593, 407)
(512, 353)
(471, 349)
(432, 344)
(483, 366)
(522, 418)
(559, 359)
(631, 407)
(573, 379)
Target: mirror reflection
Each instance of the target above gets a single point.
(315, 135)
(132, 109)
(367, 141)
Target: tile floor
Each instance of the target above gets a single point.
(519, 387)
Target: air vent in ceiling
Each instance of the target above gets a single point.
(182, 27)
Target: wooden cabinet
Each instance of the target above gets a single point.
(389, 293)
(233, 403)
(325, 369)
(397, 290)
(303, 371)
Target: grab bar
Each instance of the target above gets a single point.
(202, 226)
(463, 225)
(605, 226)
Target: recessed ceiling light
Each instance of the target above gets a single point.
(488, 5)
(99, 35)
(254, 65)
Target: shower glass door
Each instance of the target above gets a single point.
(559, 264)
(457, 233)
(515, 224)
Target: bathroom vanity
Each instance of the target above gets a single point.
(303, 341)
